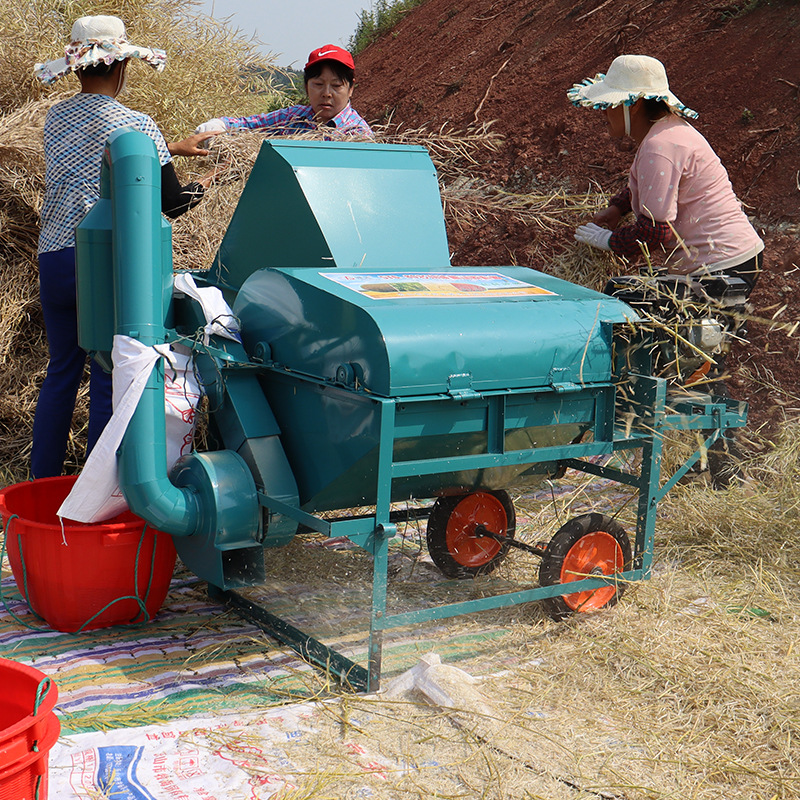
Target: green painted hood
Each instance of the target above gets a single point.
(412, 332)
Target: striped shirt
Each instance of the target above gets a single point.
(75, 134)
(297, 119)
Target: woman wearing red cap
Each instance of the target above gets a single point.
(328, 76)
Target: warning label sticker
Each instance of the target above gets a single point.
(401, 285)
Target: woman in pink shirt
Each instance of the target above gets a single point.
(685, 208)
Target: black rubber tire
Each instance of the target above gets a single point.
(471, 562)
(559, 547)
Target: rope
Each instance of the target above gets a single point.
(139, 601)
(24, 577)
(152, 565)
(41, 690)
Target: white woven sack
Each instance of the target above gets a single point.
(96, 495)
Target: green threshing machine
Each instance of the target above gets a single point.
(371, 372)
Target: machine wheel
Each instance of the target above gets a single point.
(592, 544)
(455, 541)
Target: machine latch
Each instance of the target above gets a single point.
(459, 387)
(566, 387)
(562, 386)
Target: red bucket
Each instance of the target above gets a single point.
(28, 730)
(70, 575)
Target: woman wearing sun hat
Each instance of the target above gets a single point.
(684, 205)
(75, 133)
(329, 76)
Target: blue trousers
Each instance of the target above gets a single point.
(56, 404)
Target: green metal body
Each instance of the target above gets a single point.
(97, 248)
(371, 371)
(538, 363)
(140, 293)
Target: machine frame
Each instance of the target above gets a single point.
(212, 503)
(646, 402)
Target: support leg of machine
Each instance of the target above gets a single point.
(384, 530)
(311, 649)
(379, 577)
(648, 504)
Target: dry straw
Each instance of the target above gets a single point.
(686, 689)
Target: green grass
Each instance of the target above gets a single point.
(382, 17)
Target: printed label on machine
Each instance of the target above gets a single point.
(394, 285)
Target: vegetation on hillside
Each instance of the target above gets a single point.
(209, 68)
(381, 17)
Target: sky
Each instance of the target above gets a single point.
(291, 30)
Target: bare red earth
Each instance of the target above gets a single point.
(511, 61)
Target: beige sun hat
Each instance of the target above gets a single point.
(96, 40)
(628, 78)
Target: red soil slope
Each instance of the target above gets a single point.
(512, 61)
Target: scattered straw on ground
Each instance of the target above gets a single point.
(686, 688)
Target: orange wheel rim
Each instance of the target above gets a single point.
(596, 553)
(467, 548)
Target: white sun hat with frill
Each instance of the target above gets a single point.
(628, 78)
(97, 40)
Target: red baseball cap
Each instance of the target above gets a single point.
(330, 52)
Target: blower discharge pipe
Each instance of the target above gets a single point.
(142, 287)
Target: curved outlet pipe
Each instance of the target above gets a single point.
(142, 264)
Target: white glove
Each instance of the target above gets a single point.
(211, 126)
(593, 235)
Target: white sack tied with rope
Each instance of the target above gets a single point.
(220, 320)
(96, 495)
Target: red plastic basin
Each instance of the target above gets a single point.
(82, 576)
(27, 732)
